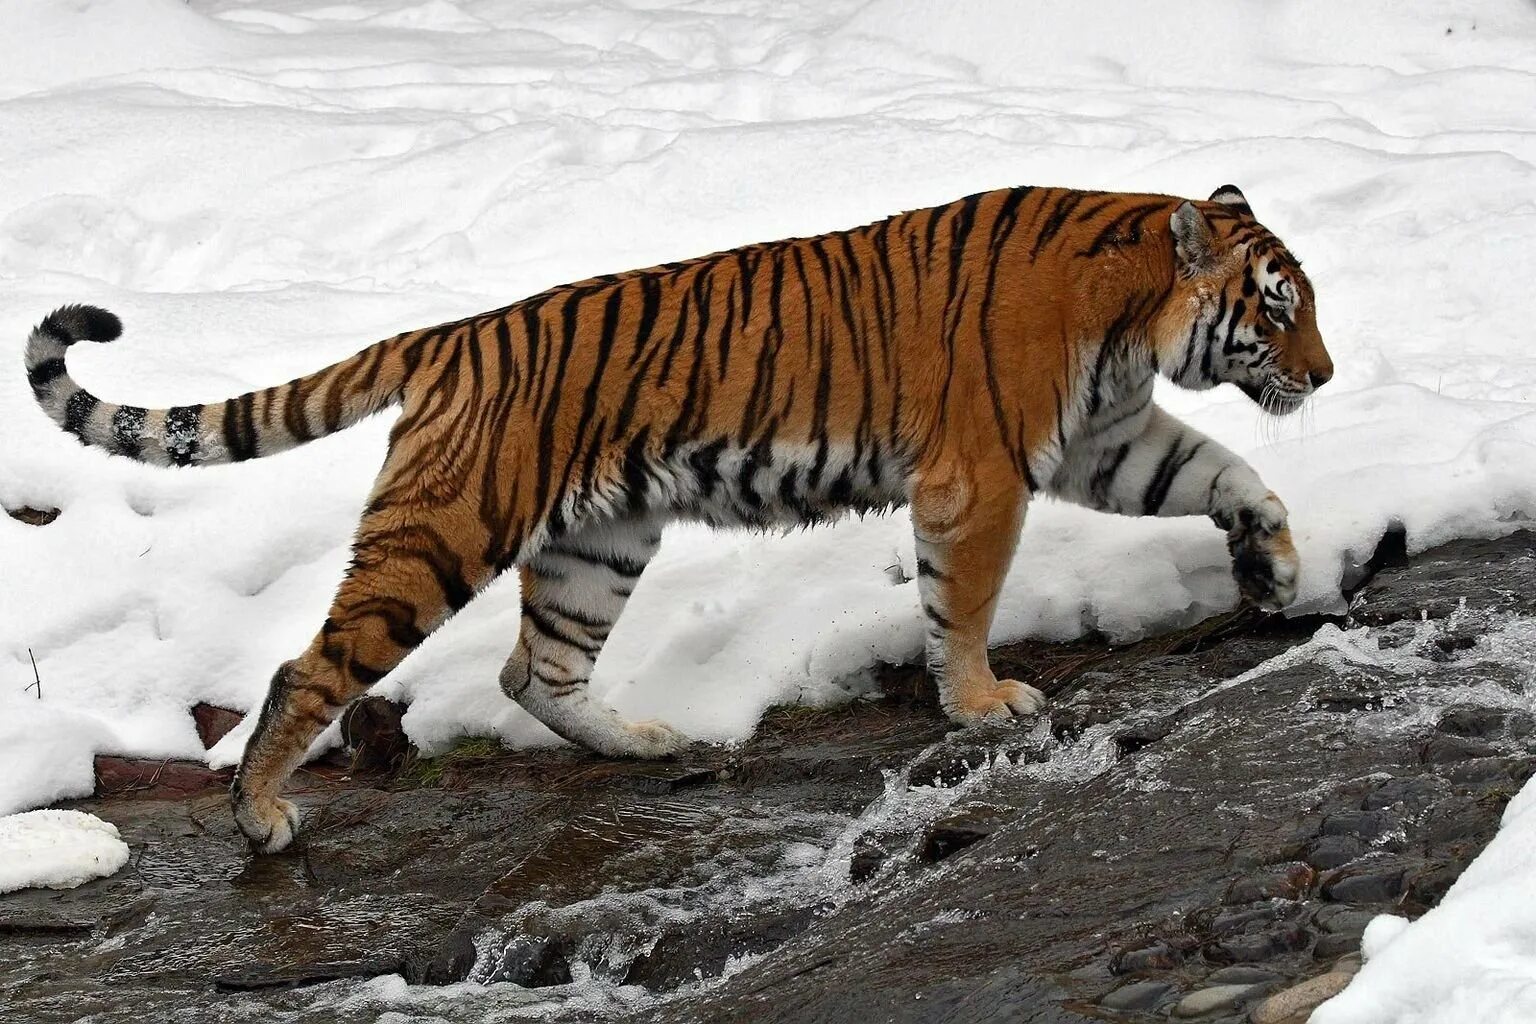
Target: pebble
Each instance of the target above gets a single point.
(1330, 946)
(1158, 955)
(1296, 1002)
(1344, 920)
(1379, 886)
(1205, 1000)
(1241, 975)
(1143, 995)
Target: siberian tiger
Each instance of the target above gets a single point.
(959, 360)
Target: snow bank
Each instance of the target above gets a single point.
(1472, 958)
(260, 188)
(57, 850)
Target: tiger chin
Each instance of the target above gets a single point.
(959, 360)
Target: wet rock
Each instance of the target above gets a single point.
(959, 831)
(1367, 825)
(1476, 722)
(1229, 922)
(532, 961)
(1240, 974)
(1449, 749)
(1343, 920)
(1251, 947)
(1428, 886)
(1365, 883)
(664, 782)
(1333, 851)
(1411, 795)
(261, 976)
(157, 779)
(870, 853)
(213, 722)
(944, 766)
(1490, 575)
(1330, 946)
(1282, 881)
(1141, 995)
(1158, 956)
(1296, 1003)
(1209, 1000)
(45, 925)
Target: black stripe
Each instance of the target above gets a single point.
(128, 431)
(77, 413)
(45, 373)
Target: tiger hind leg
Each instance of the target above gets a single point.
(412, 567)
(574, 590)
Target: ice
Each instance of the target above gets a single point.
(57, 850)
(261, 188)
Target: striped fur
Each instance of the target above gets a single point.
(959, 359)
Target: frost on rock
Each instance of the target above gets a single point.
(57, 850)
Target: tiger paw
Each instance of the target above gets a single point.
(270, 823)
(1264, 561)
(653, 739)
(1005, 698)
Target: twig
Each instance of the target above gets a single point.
(37, 680)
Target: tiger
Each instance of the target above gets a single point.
(960, 360)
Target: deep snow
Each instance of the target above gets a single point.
(260, 188)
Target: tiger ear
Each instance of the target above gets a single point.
(1193, 241)
(1231, 195)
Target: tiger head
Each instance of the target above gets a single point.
(1242, 311)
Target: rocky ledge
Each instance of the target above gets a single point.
(1199, 828)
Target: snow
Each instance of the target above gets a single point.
(260, 188)
(1472, 958)
(57, 850)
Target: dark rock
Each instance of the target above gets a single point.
(1330, 946)
(532, 961)
(1492, 575)
(213, 723)
(869, 856)
(1140, 995)
(371, 729)
(1428, 887)
(33, 516)
(664, 782)
(156, 779)
(1251, 947)
(1157, 956)
(1365, 883)
(1477, 722)
(1365, 825)
(263, 977)
(1241, 974)
(1333, 851)
(1342, 920)
(1230, 921)
(1412, 795)
(1281, 881)
(958, 831)
(1448, 749)
(944, 766)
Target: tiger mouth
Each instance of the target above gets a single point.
(1273, 397)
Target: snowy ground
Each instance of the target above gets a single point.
(260, 188)
(54, 849)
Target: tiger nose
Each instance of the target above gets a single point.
(1317, 378)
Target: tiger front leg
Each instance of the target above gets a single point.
(967, 523)
(1170, 469)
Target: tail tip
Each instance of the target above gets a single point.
(72, 323)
